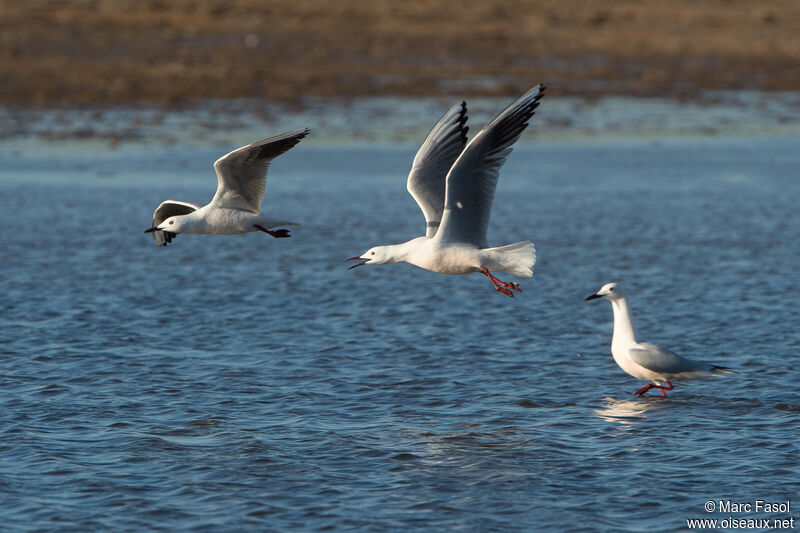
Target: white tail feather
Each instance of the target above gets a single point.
(517, 258)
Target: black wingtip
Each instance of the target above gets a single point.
(463, 115)
(295, 137)
(512, 121)
(302, 134)
(537, 98)
(722, 370)
(462, 121)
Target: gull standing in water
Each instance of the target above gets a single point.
(644, 360)
(454, 182)
(236, 207)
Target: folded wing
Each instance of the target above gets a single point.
(660, 360)
(242, 173)
(472, 180)
(427, 179)
(169, 208)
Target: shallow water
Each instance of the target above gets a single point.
(245, 383)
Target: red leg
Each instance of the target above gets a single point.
(278, 233)
(649, 386)
(664, 389)
(499, 285)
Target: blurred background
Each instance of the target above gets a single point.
(172, 52)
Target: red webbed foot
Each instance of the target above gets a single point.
(499, 285)
(649, 386)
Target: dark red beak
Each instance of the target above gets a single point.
(356, 258)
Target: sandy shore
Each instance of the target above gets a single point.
(172, 52)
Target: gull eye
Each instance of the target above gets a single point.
(372, 253)
(171, 222)
(611, 289)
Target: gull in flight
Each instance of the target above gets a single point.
(454, 182)
(644, 360)
(236, 207)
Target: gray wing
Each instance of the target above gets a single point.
(169, 208)
(472, 180)
(427, 179)
(663, 361)
(242, 173)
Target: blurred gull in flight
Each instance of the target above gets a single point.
(644, 360)
(236, 207)
(454, 182)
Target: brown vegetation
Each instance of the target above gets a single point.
(106, 52)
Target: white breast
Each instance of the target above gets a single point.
(452, 260)
(620, 354)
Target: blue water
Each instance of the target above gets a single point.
(245, 383)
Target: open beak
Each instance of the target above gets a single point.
(592, 297)
(356, 258)
(150, 230)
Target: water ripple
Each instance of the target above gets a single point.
(248, 384)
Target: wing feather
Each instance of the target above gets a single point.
(427, 179)
(659, 360)
(472, 180)
(242, 173)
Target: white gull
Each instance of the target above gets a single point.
(644, 360)
(236, 206)
(454, 182)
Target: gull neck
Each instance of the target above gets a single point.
(624, 333)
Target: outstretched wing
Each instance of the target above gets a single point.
(472, 180)
(427, 179)
(242, 174)
(659, 360)
(169, 208)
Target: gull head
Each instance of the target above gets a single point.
(378, 255)
(172, 224)
(608, 291)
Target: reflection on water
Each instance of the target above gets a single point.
(627, 412)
